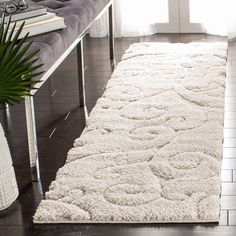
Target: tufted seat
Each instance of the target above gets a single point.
(78, 14)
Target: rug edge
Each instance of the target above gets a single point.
(127, 222)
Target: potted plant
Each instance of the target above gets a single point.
(17, 68)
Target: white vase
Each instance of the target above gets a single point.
(8, 185)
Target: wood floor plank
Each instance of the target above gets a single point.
(230, 85)
(230, 142)
(228, 189)
(228, 202)
(230, 92)
(223, 217)
(233, 61)
(228, 164)
(230, 100)
(227, 175)
(230, 107)
(232, 217)
(229, 132)
(229, 152)
(230, 115)
(234, 175)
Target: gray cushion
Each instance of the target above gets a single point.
(78, 14)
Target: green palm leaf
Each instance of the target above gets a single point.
(17, 67)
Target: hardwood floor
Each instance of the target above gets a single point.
(60, 121)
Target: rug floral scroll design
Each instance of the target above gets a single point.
(152, 147)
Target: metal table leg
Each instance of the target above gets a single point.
(80, 63)
(32, 138)
(111, 31)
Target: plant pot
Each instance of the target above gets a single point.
(8, 185)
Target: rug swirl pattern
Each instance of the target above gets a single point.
(152, 147)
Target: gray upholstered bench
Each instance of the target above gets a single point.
(55, 47)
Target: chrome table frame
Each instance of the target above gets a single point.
(29, 100)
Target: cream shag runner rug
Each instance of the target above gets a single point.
(152, 148)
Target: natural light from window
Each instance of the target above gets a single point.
(152, 11)
(212, 13)
(160, 11)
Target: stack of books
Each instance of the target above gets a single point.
(37, 19)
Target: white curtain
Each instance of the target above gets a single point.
(139, 17)
(132, 18)
(218, 16)
(231, 26)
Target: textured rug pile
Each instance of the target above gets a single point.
(152, 147)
